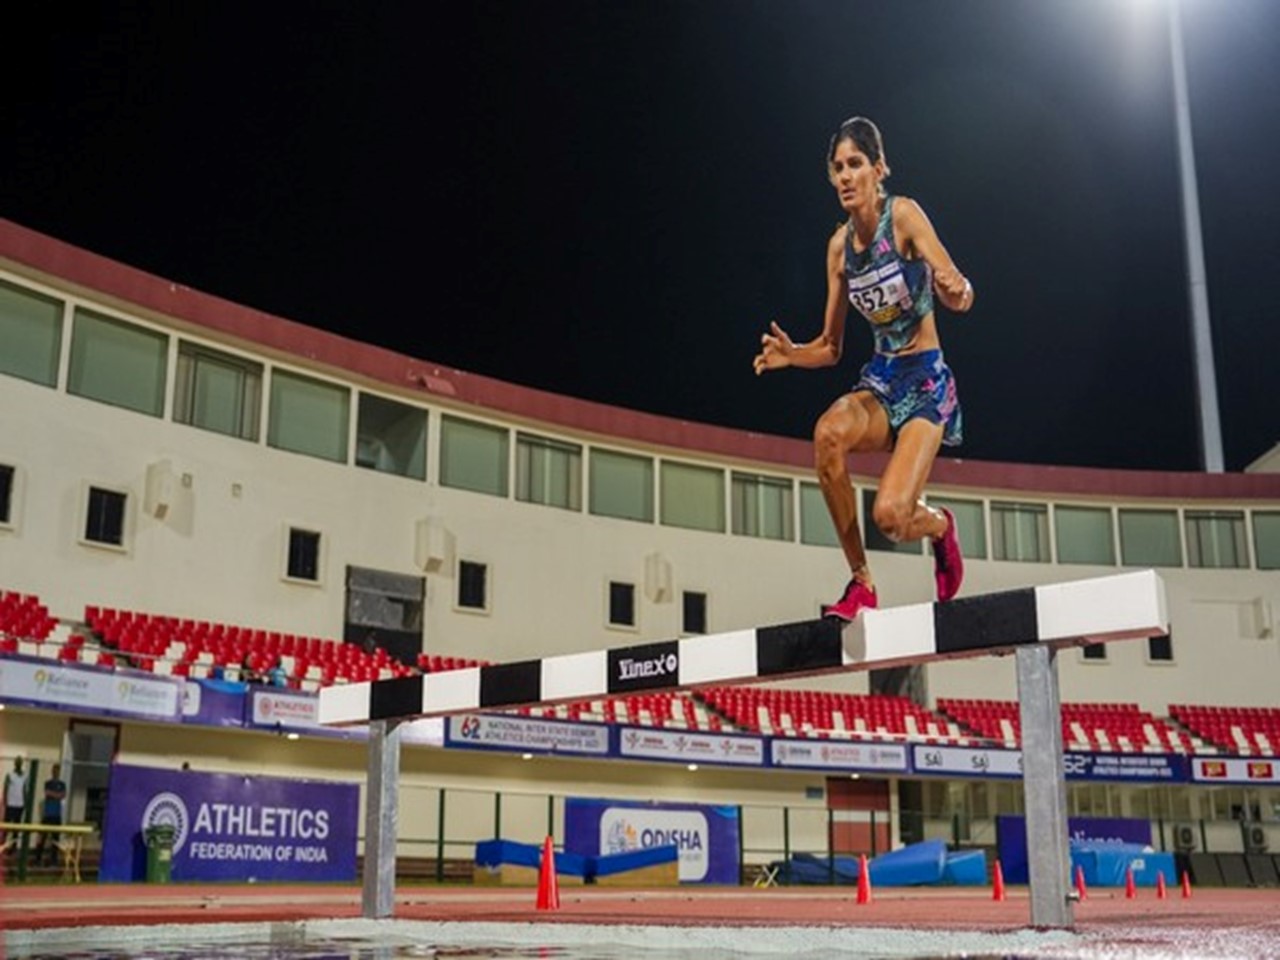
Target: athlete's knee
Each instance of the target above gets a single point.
(892, 514)
(833, 438)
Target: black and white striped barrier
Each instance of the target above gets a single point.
(1121, 607)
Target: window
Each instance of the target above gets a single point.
(971, 524)
(473, 456)
(473, 585)
(104, 517)
(621, 486)
(548, 472)
(873, 538)
(1160, 649)
(391, 437)
(118, 363)
(1020, 531)
(1149, 538)
(622, 604)
(1215, 538)
(30, 335)
(303, 559)
(692, 497)
(762, 507)
(816, 527)
(1266, 540)
(693, 617)
(217, 391)
(6, 494)
(308, 416)
(1094, 651)
(1084, 535)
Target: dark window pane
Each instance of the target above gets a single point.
(473, 585)
(1095, 651)
(1160, 648)
(622, 604)
(6, 493)
(104, 520)
(695, 613)
(304, 555)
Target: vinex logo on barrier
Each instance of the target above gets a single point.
(664, 666)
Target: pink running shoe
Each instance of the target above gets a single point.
(948, 561)
(857, 597)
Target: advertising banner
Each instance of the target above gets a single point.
(706, 836)
(966, 761)
(1011, 838)
(999, 763)
(229, 826)
(838, 755)
(690, 746)
(214, 703)
(493, 732)
(1235, 770)
(84, 689)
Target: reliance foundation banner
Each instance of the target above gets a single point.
(1011, 838)
(230, 827)
(705, 836)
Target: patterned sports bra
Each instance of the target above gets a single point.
(894, 294)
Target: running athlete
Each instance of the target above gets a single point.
(888, 262)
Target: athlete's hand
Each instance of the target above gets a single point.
(775, 350)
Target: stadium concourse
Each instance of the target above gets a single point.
(208, 514)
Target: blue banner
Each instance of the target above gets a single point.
(705, 836)
(1011, 838)
(230, 826)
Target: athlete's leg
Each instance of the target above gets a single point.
(898, 511)
(854, 423)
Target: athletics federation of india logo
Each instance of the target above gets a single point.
(168, 810)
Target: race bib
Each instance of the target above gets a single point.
(880, 295)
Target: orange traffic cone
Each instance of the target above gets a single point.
(548, 885)
(1130, 891)
(1082, 892)
(864, 880)
(997, 884)
(1186, 885)
(1161, 892)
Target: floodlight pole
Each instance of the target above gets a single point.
(1197, 286)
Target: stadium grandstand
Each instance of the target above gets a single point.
(222, 511)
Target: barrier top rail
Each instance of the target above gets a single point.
(1119, 607)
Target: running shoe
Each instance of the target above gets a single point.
(857, 596)
(948, 561)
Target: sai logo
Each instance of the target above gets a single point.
(470, 728)
(122, 690)
(620, 836)
(41, 677)
(167, 809)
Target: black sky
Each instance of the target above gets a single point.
(611, 199)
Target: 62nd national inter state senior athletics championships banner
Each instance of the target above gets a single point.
(230, 827)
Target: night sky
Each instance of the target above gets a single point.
(612, 199)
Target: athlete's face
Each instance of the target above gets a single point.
(856, 179)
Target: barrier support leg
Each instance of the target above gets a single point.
(381, 821)
(1044, 788)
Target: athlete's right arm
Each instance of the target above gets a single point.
(777, 349)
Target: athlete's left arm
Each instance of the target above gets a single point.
(953, 287)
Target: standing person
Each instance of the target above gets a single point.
(55, 791)
(888, 262)
(15, 794)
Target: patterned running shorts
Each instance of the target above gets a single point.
(914, 385)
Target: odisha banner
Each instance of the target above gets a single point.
(230, 827)
(705, 836)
